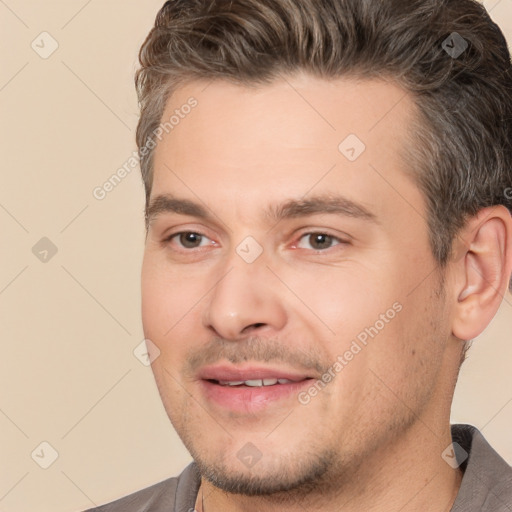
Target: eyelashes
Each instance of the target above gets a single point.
(318, 237)
(317, 240)
(185, 242)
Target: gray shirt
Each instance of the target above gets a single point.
(486, 484)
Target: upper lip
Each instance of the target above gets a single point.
(234, 373)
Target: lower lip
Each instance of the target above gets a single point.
(251, 399)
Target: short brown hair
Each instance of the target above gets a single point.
(460, 147)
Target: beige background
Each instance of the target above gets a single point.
(68, 374)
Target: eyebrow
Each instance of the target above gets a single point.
(293, 208)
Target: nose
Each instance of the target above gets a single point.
(245, 302)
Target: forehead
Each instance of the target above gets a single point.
(285, 139)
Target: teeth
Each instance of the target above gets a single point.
(254, 382)
(232, 383)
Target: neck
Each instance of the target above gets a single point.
(407, 475)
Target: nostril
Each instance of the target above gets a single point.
(254, 326)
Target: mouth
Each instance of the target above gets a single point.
(251, 389)
(255, 383)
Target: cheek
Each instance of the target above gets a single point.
(406, 357)
(156, 303)
(342, 301)
(169, 298)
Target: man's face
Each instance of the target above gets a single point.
(303, 260)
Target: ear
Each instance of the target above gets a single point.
(482, 266)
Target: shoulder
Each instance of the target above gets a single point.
(160, 497)
(487, 481)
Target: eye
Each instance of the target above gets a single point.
(190, 239)
(318, 241)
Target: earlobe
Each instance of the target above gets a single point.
(484, 268)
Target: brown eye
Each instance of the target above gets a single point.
(190, 240)
(318, 241)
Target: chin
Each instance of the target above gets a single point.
(292, 474)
